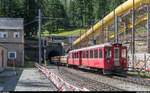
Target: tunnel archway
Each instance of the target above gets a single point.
(52, 54)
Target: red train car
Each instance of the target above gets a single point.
(109, 57)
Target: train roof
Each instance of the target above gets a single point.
(92, 47)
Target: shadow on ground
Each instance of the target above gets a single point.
(9, 79)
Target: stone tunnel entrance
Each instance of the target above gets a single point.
(54, 49)
(52, 54)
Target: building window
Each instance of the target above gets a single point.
(16, 35)
(3, 34)
(11, 55)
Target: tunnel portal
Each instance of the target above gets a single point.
(55, 49)
(53, 54)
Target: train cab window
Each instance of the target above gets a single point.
(123, 53)
(83, 54)
(107, 53)
(91, 53)
(116, 53)
(100, 53)
(87, 54)
(96, 53)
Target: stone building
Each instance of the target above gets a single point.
(12, 36)
(3, 57)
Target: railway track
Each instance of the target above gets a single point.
(93, 85)
(124, 77)
(97, 85)
(132, 79)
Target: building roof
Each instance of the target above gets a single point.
(11, 23)
(92, 47)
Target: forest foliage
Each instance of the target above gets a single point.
(57, 14)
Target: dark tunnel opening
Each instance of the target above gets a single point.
(52, 54)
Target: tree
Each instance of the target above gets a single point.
(75, 13)
(55, 9)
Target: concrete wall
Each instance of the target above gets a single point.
(3, 58)
(19, 49)
(54, 49)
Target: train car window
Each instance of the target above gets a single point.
(123, 53)
(83, 54)
(91, 53)
(72, 55)
(116, 53)
(100, 53)
(87, 54)
(96, 53)
(77, 55)
(107, 53)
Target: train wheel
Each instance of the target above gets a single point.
(106, 72)
(67, 65)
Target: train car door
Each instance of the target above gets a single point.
(124, 57)
(80, 58)
(116, 56)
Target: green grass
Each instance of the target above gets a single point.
(29, 63)
(141, 74)
(63, 32)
